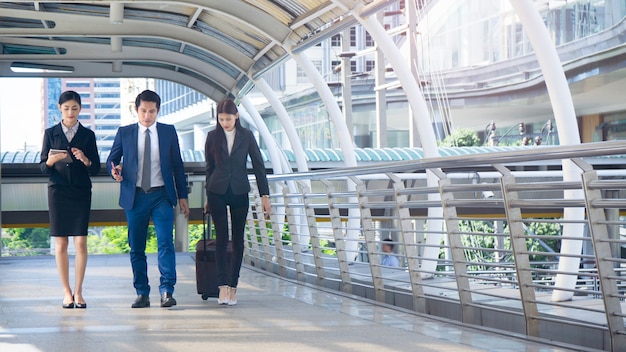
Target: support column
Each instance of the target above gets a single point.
(199, 137)
(181, 231)
(421, 116)
(286, 122)
(411, 34)
(381, 96)
(345, 142)
(346, 79)
(567, 126)
(273, 149)
(279, 162)
(343, 133)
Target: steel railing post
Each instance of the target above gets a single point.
(340, 241)
(518, 245)
(410, 244)
(599, 230)
(293, 224)
(311, 219)
(370, 240)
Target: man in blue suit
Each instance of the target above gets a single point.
(152, 182)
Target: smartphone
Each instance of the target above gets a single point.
(113, 169)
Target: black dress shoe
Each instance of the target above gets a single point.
(141, 302)
(68, 305)
(79, 305)
(167, 300)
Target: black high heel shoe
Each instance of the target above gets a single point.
(79, 305)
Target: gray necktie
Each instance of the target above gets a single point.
(145, 174)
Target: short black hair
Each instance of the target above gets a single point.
(69, 95)
(386, 240)
(148, 95)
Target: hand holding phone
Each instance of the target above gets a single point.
(115, 172)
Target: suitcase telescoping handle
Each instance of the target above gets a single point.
(205, 237)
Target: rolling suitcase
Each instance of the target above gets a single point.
(206, 265)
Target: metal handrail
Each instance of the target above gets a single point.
(336, 233)
(533, 154)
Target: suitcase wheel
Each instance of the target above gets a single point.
(205, 296)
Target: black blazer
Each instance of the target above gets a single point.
(75, 173)
(233, 170)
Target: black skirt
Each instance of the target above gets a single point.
(69, 209)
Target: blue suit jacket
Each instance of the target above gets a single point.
(125, 145)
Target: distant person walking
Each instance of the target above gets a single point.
(152, 182)
(69, 156)
(226, 149)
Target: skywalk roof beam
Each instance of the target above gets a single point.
(374, 7)
(316, 12)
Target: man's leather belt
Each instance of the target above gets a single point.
(151, 190)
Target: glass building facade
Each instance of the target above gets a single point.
(176, 97)
(101, 105)
(452, 36)
(458, 34)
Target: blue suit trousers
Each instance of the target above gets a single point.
(157, 206)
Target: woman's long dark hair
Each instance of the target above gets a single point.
(225, 106)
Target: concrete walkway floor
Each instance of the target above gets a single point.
(272, 315)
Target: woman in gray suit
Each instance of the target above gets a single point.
(69, 155)
(227, 149)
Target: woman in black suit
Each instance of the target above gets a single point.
(227, 148)
(69, 155)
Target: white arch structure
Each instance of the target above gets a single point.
(280, 167)
(421, 116)
(565, 116)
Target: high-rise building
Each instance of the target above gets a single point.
(100, 105)
(109, 103)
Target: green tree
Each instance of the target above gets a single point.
(550, 233)
(196, 232)
(26, 241)
(463, 137)
(114, 240)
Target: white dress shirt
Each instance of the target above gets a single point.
(230, 139)
(70, 132)
(155, 172)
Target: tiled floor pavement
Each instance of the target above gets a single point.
(272, 315)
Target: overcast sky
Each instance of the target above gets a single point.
(20, 113)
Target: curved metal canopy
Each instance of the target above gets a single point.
(214, 46)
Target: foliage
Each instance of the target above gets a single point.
(26, 241)
(328, 247)
(550, 231)
(285, 237)
(463, 137)
(482, 239)
(196, 233)
(114, 240)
